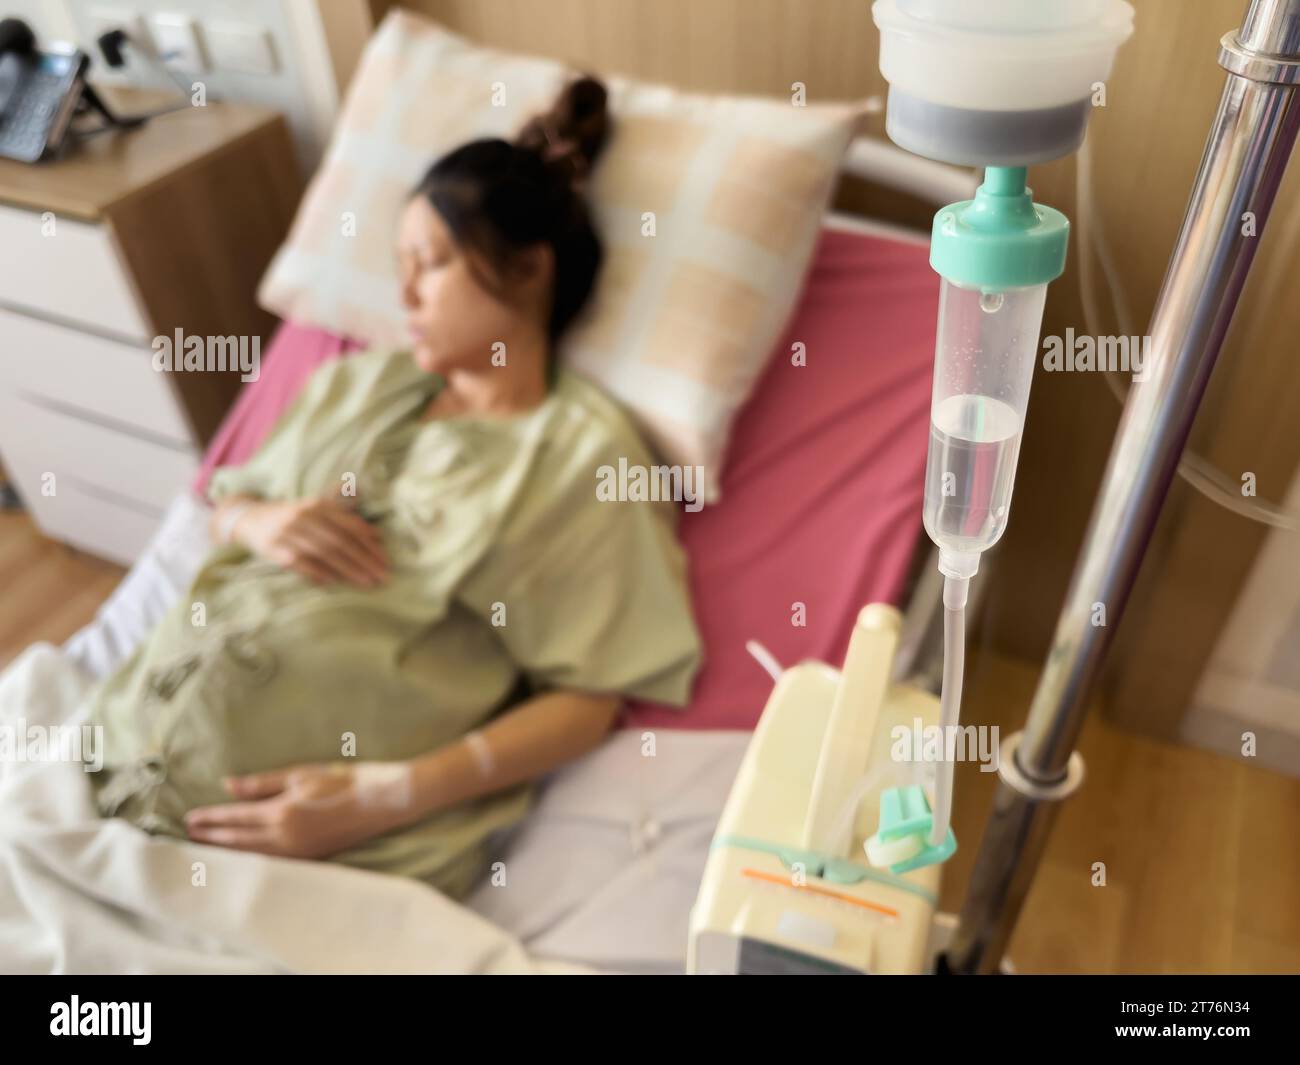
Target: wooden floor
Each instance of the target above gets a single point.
(1202, 853)
(47, 590)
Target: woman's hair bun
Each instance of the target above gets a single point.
(573, 132)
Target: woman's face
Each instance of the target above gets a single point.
(453, 320)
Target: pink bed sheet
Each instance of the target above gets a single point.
(822, 491)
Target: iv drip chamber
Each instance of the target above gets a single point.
(995, 255)
(984, 365)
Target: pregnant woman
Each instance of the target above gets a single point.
(417, 605)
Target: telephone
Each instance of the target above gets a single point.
(39, 93)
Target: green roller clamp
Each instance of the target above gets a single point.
(906, 818)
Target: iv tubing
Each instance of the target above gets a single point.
(954, 662)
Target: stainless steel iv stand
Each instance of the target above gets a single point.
(1245, 156)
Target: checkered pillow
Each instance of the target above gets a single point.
(708, 207)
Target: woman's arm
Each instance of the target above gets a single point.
(314, 811)
(536, 737)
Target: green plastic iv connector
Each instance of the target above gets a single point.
(1001, 239)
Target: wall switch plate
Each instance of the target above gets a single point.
(176, 38)
(240, 49)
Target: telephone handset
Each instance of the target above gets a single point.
(39, 93)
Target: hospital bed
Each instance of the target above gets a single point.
(823, 467)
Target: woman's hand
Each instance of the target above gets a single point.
(309, 811)
(323, 539)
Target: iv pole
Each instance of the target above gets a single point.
(1245, 156)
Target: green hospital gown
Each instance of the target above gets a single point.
(507, 575)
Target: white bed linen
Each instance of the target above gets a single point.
(602, 874)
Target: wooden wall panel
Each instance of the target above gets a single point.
(757, 46)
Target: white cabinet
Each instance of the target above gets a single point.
(95, 439)
(67, 271)
(132, 236)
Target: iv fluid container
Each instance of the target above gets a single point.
(995, 82)
(984, 365)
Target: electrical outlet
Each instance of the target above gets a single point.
(240, 49)
(176, 37)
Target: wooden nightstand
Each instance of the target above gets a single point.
(131, 236)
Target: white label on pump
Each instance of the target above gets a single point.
(800, 928)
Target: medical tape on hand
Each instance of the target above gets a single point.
(227, 519)
(478, 745)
